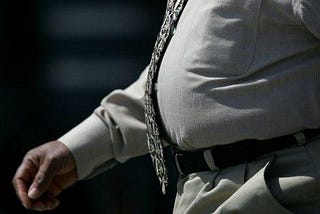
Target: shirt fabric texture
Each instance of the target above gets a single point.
(233, 70)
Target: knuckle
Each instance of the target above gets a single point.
(30, 158)
(52, 158)
(31, 153)
(13, 181)
(54, 163)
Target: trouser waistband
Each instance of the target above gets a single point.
(222, 156)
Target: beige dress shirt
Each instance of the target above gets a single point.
(234, 69)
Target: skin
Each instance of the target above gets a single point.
(43, 174)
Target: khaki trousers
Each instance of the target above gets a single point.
(286, 181)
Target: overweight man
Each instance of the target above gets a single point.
(233, 86)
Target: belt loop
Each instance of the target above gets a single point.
(176, 160)
(209, 160)
(300, 138)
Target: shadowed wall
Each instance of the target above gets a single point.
(58, 60)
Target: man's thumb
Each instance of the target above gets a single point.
(43, 178)
(34, 193)
(38, 187)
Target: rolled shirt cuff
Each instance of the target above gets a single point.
(90, 144)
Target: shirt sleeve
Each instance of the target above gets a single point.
(309, 13)
(115, 132)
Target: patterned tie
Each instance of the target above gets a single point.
(155, 143)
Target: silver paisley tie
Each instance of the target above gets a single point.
(155, 143)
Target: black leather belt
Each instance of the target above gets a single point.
(222, 156)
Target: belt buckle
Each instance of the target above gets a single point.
(176, 160)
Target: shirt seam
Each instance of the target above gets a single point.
(256, 37)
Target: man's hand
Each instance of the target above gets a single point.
(43, 174)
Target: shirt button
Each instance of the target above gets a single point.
(174, 30)
(155, 87)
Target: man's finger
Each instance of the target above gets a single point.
(54, 189)
(66, 180)
(45, 202)
(22, 180)
(21, 191)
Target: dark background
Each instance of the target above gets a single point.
(58, 60)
